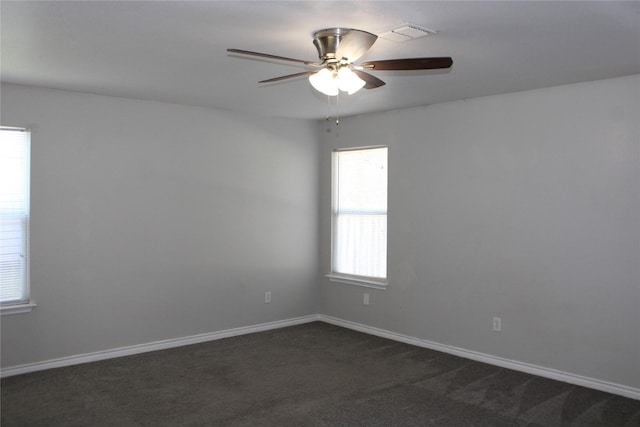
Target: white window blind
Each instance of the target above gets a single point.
(14, 215)
(360, 212)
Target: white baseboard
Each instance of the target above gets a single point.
(619, 389)
(152, 346)
(554, 374)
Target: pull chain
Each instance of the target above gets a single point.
(328, 108)
(337, 108)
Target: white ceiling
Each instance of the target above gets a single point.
(176, 51)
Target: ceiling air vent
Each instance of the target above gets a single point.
(406, 32)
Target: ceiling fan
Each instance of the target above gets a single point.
(338, 48)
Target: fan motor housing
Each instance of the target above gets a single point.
(328, 40)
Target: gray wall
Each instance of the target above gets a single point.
(524, 206)
(154, 221)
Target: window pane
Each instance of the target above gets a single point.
(12, 261)
(361, 247)
(14, 214)
(362, 180)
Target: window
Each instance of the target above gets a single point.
(14, 219)
(359, 224)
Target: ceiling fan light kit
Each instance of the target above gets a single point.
(330, 82)
(348, 81)
(324, 81)
(338, 48)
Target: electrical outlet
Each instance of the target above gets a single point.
(497, 324)
(365, 298)
(267, 297)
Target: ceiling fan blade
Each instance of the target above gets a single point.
(266, 55)
(354, 44)
(371, 81)
(409, 64)
(289, 76)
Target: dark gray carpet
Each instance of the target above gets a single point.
(308, 375)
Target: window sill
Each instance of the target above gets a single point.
(359, 281)
(17, 308)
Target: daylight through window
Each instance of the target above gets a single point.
(14, 215)
(360, 213)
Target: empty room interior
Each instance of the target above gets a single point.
(175, 198)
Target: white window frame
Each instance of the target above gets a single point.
(25, 304)
(334, 276)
